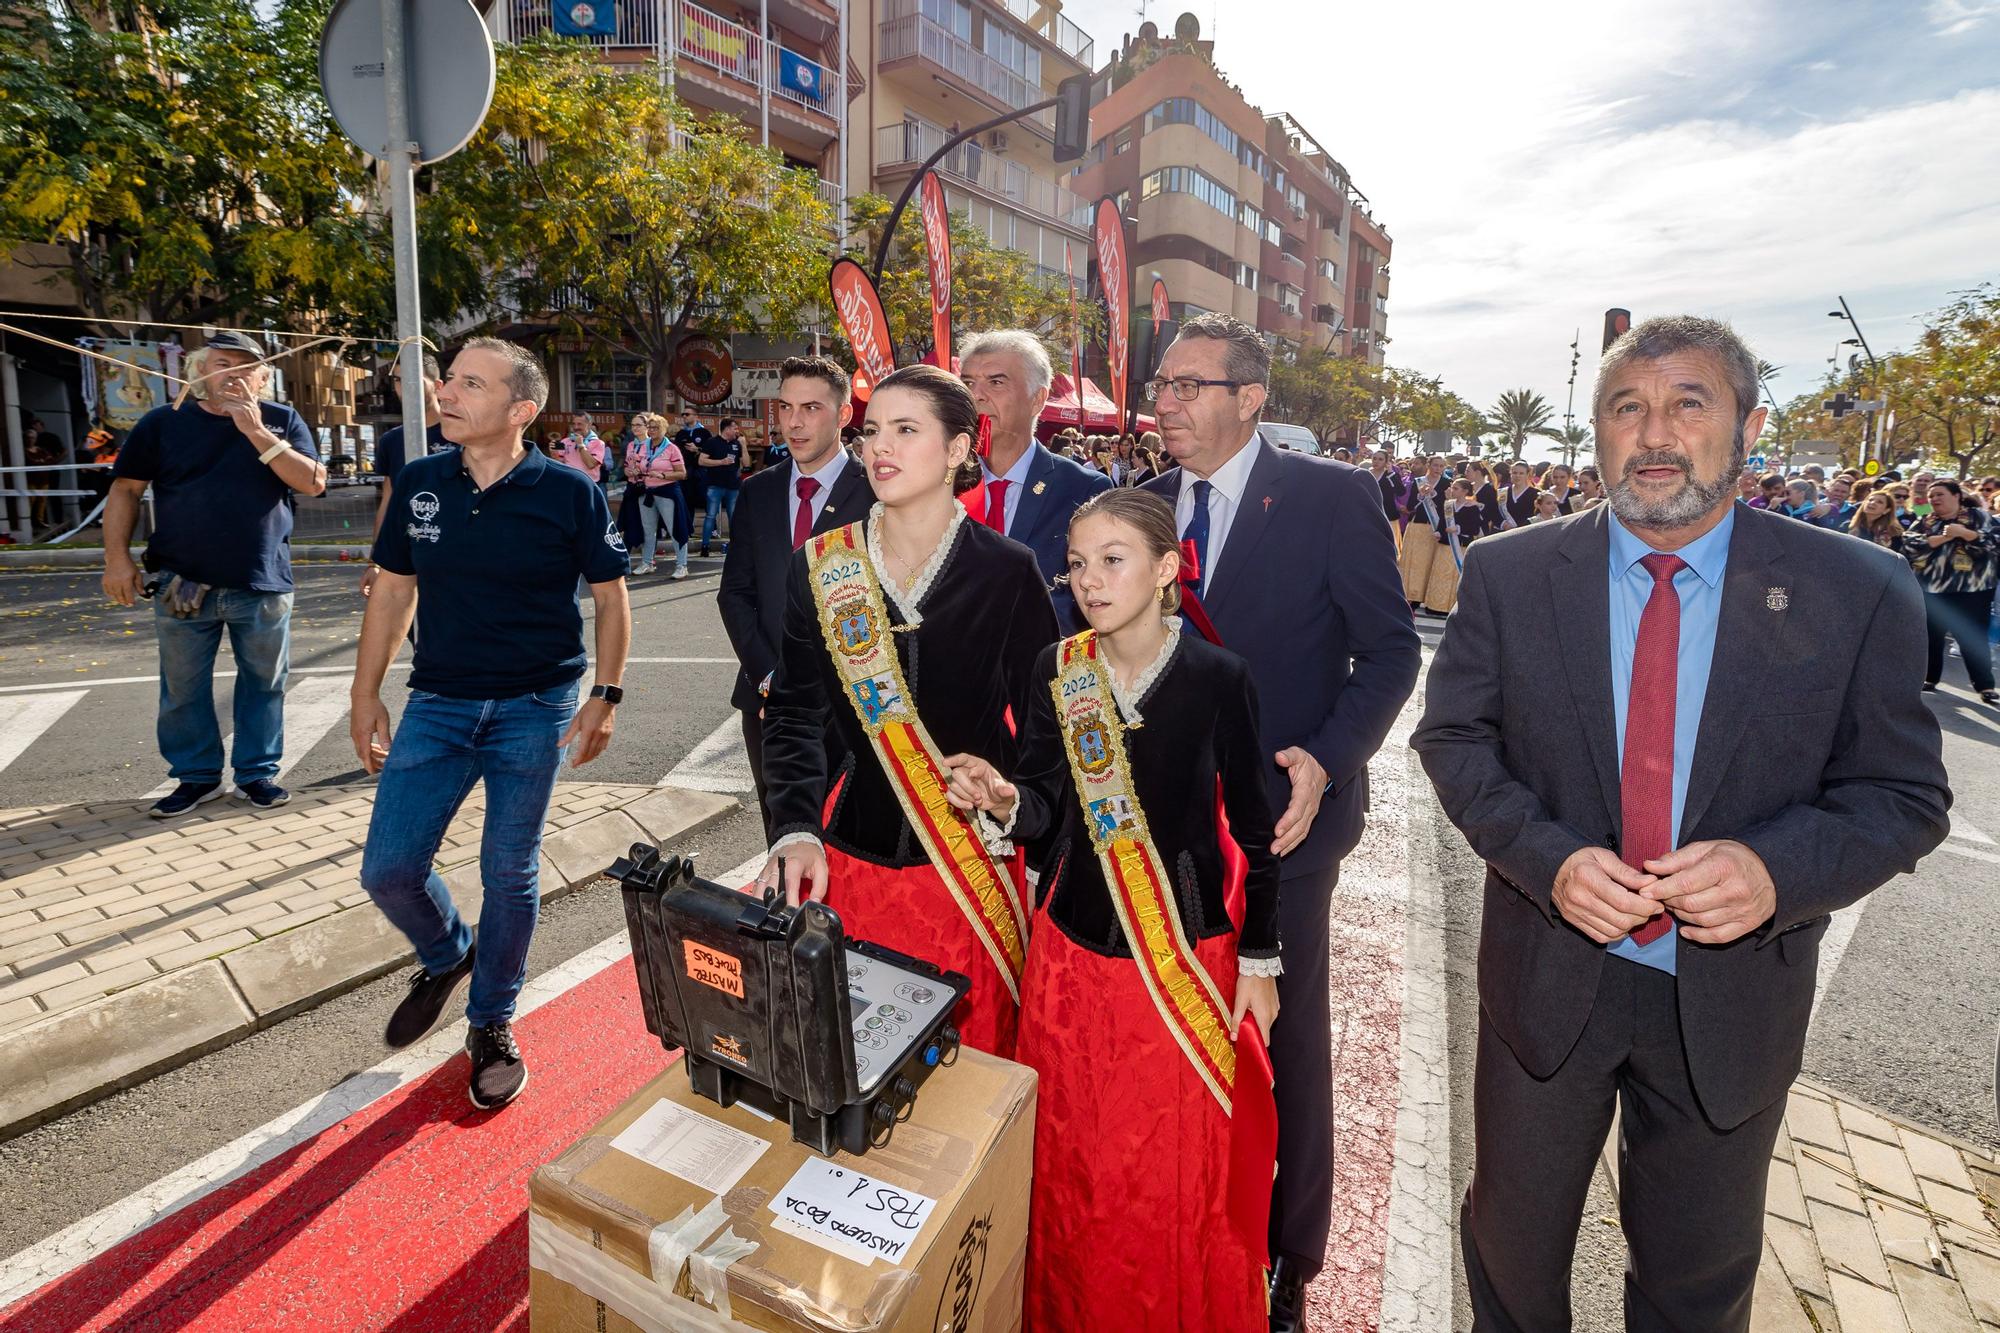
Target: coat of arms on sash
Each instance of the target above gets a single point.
(876, 696)
(853, 629)
(1093, 751)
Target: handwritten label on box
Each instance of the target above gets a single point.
(851, 1212)
(712, 967)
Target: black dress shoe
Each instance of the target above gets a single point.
(1288, 1296)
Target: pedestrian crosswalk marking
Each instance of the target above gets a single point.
(721, 763)
(24, 718)
(312, 707)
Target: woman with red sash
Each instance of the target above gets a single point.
(909, 636)
(1154, 1128)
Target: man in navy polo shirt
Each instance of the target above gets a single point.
(224, 467)
(485, 545)
(390, 454)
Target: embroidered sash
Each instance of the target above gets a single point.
(1141, 887)
(854, 620)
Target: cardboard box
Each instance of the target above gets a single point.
(679, 1227)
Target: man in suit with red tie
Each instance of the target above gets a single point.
(1291, 566)
(1655, 896)
(1030, 492)
(819, 490)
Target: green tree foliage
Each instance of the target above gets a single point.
(1413, 405)
(599, 197)
(1328, 393)
(179, 159)
(1516, 415)
(1946, 390)
(991, 287)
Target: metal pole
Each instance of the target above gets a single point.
(19, 526)
(765, 46)
(846, 100)
(1875, 391)
(400, 156)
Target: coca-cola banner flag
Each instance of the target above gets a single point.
(937, 248)
(1117, 298)
(862, 320)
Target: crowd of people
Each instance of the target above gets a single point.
(1095, 731)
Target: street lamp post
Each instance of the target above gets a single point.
(1860, 340)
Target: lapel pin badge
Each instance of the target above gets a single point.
(1267, 504)
(1041, 486)
(1777, 598)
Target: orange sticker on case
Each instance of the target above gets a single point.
(712, 967)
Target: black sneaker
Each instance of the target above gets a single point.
(1930, 687)
(264, 793)
(185, 798)
(498, 1072)
(420, 1010)
(1989, 697)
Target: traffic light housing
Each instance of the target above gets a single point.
(1072, 118)
(1616, 322)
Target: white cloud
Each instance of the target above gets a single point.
(1536, 164)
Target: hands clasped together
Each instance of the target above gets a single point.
(1717, 891)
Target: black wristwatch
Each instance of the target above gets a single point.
(611, 694)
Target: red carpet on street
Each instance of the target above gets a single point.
(409, 1215)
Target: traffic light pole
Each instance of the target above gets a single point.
(916, 177)
(1868, 441)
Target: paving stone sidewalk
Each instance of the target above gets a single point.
(128, 944)
(1876, 1225)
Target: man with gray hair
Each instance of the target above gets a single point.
(1030, 492)
(1294, 569)
(1655, 896)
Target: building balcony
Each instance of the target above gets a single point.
(1065, 36)
(900, 148)
(916, 39)
(730, 61)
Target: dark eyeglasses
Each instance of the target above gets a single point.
(1186, 388)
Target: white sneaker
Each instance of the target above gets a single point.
(680, 572)
(645, 569)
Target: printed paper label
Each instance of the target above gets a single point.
(851, 1212)
(683, 1142)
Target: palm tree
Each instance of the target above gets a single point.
(1575, 440)
(1519, 414)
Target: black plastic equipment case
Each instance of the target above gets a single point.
(756, 995)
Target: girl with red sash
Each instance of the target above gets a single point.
(1154, 1128)
(909, 636)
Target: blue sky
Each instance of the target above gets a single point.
(1538, 162)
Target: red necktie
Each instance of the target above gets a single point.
(1646, 782)
(996, 505)
(802, 525)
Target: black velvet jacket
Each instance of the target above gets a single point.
(1199, 723)
(971, 658)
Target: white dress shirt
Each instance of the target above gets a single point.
(1225, 495)
(828, 474)
(1016, 478)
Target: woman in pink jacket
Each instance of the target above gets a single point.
(655, 465)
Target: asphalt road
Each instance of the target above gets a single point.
(1906, 1020)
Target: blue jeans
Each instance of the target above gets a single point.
(441, 748)
(260, 637)
(718, 498)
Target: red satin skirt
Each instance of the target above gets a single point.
(911, 910)
(1129, 1227)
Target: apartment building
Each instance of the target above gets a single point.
(939, 66)
(1238, 210)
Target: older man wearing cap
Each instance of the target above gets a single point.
(224, 468)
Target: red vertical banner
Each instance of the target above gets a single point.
(1110, 237)
(937, 250)
(863, 321)
(1075, 338)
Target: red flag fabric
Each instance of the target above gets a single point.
(937, 250)
(1110, 238)
(863, 321)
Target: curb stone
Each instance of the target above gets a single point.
(80, 1055)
